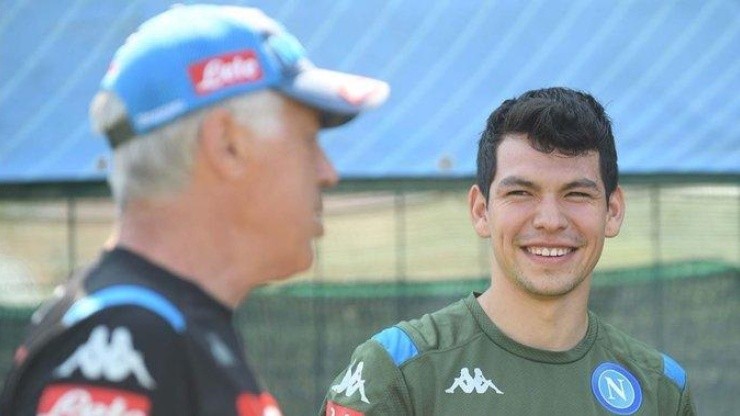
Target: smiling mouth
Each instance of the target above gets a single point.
(550, 251)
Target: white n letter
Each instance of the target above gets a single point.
(613, 388)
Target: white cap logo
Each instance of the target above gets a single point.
(215, 73)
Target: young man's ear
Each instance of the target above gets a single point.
(220, 145)
(478, 211)
(615, 212)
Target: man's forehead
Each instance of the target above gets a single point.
(516, 157)
(520, 146)
(307, 115)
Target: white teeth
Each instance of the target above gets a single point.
(549, 252)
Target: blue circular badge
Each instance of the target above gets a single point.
(616, 389)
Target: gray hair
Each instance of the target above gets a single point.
(160, 163)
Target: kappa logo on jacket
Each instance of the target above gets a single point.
(352, 382)
(468, 383)
(113, 361)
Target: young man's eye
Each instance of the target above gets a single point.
(517, 192)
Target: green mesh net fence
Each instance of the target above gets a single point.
(299, 336)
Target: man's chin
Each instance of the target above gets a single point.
(319, 230)
(299, 264)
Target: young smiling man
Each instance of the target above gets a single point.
(546, 197)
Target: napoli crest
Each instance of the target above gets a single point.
(616, 389)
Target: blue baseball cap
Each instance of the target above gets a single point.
(193, 56)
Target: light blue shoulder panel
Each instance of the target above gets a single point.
(122, 295)
(674, 371)
(398, 344)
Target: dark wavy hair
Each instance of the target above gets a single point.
(553, 119)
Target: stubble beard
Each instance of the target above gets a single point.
(548, 283)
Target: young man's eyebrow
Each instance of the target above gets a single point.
(517, 181)
(581, 183)
(514, 181)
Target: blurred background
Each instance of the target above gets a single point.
(398, 241)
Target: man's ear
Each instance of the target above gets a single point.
(220, 145)
(478, 211)
(615, 212)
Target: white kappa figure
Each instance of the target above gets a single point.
(468, 383)
(112, 361)
(351, 382)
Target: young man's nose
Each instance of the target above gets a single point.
(549, 215)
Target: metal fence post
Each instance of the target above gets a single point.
(71, 234)
(399, 205)
(655, 234)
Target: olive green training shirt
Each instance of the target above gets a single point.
(456, 362)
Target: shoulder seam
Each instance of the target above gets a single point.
(663, 373)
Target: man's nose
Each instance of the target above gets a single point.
(328, 175)
(549, 215)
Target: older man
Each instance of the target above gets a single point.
(212, 113)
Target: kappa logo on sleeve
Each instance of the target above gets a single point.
(333, 409)
(82, 400)
(111, 358)
(352, 382)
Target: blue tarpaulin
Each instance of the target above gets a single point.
(668, 73)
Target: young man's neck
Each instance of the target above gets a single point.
(552, 324)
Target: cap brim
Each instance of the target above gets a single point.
(338, 95)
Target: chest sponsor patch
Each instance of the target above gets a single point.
(333, 409)
(248, 404)
(616, 389)
(80, 399)
(108, 356)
